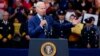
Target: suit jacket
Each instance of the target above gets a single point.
(24, 28)
(61, 30)
(90, 36)
(6, 29)
(34, 29)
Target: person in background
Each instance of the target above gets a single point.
(74, 38)
(17, 34)
(89, 34)
(19, 12)
(26, 4)
(72, 16)
(52, 6)
(62, 27)
(6, 31)
(97, 12)
(24, 33)
(3, 4)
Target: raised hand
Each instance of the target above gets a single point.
(75, 21)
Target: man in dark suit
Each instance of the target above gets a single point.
(62, 27)
(89, 34)
(40, 24)
(6, 31)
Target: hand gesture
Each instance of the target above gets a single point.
(4, 40)
(88, 45)
(27, 37)
(75, 21)
(43, 23)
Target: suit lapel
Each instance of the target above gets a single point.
(37, 20)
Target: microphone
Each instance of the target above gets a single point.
(44, 27)
(44, 18)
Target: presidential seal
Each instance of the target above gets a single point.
(48, 49)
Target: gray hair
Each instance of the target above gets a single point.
(38, 4)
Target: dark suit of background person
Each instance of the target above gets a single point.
(90, 34)
(24, 34)
(61, 27)
(6, 31)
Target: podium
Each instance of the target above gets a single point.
(48, 47)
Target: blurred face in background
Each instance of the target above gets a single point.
(18, 3)
(41, 8)
(5, 16)
(90, 10)
(16, 20)
(2, 4)
(61, 17)
(97, 3)
(72, 17)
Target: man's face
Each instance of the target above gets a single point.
(61, 17)
(5, 16)
(41, 9)
(18, 3)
